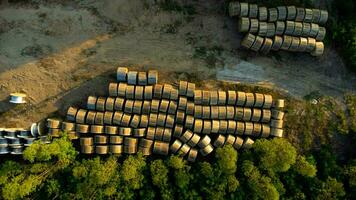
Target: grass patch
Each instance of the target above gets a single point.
(172, 5)
(210, 55)
(171, 28)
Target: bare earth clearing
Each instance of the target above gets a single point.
(61, 53)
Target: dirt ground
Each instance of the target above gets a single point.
(59, 53)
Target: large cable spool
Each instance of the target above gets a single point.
(53, 123)
(108, 118)
(167, 135)
(144, 121)
(180, 117)
(153, 120)
(308, 15)
(272, 14)
(265, 131)
(163, 106)
(175, 146)
(244, 9)
(182, 103)
(231, 127)
(230, 140)
(262, 30)
(221, 98)
(117, 118)
(300, 15)
(214, 98)
(187, 135)
(97, 129)
(100, 139)
(311, 44)
(324, 15)
(277, 43)
(135, 121)
(116, 139)
(298, 29)
(80, 117)
(267, 45)
(262, 14)
(161, 148)
(146, 107)
(184, 150)
(190, 90)
(231, 97)
(205, 141)
(256, 114)
(257, 128)
(137, 107)
(287, 41)
(194, 140)
(109, 105)
(206, 112)
(91, 102)
(128, 108)
(214, 112)
(253, 11)
(282, 13)
(121, 89)
(250, 100)
(139, 91)
(190, 108)
(271, 30)
(258, 43)
(198, 110)
(169, 121)
(177, 131)
(86, 141)
(87, 149)
(112, 90)
(319, 49)
(66, 126)
(119, 104)
(240, 128)
(234, 8)
(239, 113)
(151, 131)
(146, 143)
(132, 77)
(198, 95)
(157, 91)
(121, 74)
(124, 131)
(246, 42)
(316, 16)
(71, 114)
(295, 44)
(321, 34)
(142, 78)
(205, 97)
(90, 119)
(277, 114)
(222, 127)
(266, 115)
(222, 112)
(276, 132)
(248, 128)
(275, 123)
(248, 143)
(238, 143)
(148, 92)
(280, 27)
(230, 112)
(174, 94)
(198, 126)
(278, 104)
(290, 25)
(54, 132)
(116, 149)
(268, 100)
(182, 90)
(241, 99)
(130, 149)
(155, 106)
(306, 29)
(206, 150)
(161, 119)
(192, 155)
(152, 77)
(130, 92)
(206, 127)
(215, 126)
(166, 93)
(291, 12)
(220, 141)
(303, 44)
(314, 30)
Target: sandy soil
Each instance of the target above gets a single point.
(60, 53)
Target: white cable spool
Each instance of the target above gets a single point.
(17, 98)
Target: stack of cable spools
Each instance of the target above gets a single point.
(286, 28)
(15, 140)
(141, 115)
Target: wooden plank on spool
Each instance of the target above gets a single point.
(180, 117)
(321, 34)
(287, 41)
(267, 45)
(324, 15)
(128, 106)
(214, 97)
(262, 30)
(177, 131)
(290, 25)
(298, 29)
(190, 108)
(190, 90)
(234, 8)
(262, 13)
(117, 117)
(311, 44)
(80, 115)
(157, 91)
(142, 78)
(215, 126)
(248, 40)
(220, 141)
(243, 24)
(198, 95)
(113, 89)
(182, 103)
(253, 11)
(194, 140)
(282, 13)
(204, 141)
(121, 74)
(266, 115)
(319, 49)
(231, 127)
(300, 15)
(222, 126)
(189, 122)
(277, 43)
(116, 139)
(280, 27)
(206, 150)
(152, 77)
(291, 12)
(206, 127)
(258, 43)
(244, 9)
(303, 44)
(272, 14)
(314, 30)
(108, 115)
(271, 30)
(308, 15)
(316, 16)
(144, 121)
(295, 44)
(166, 94)
(132, 78)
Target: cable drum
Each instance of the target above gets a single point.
(300, 15)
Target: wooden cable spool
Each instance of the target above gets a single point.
(276, 132)
(146, 107)
(295, 44)
(71, 114)
(198, 110)
(182, 103)
(198, 126)
(298, 29)
(151, 131)
(248, 41)
(184, 150)
(190, 90)
(177, 131)
(250, 100)
(206, 127)
(303, 44)
(166, 93)
(116, 149)
(139, 91)
(231, 97)
(239, 113)
(169, 121)
(189, 122)
(257, 129)
(108, 118)
(259, 100)
(238, 143)
(121, 90)
(119, 104)
(220, 141)
(267, 101)
(316, 16)
(135, 121)
(198, 95)
(206, 150)
(215, 126)
(86, 149)
(54, 132)
(192, 155)
(277, 43)
(248, 128)
(91, 102)
(290, 25)
(234, 8)
(117, 117)
(53, 123)
(161, 119)
(128, 108)
(214, 113)
(175, 146)
(324, 15)
(282, 13)
(125, 120)
(222, 112)
(90, 119)
(152, 77)
(180, 117)
(287, 41)
(244, 9)
(253, 11)
(187, 135)
(130, 92)
(230, 140)
(190, 108)
(152, 120)
(100, 139)
(265, 131)
(124, 131)
(243, 24)
(241, 99)
(266, 115)
(155, 105)
(314, 30)
(267, 45)
(97, 129)
(204, 141)
(240, 128)
(146, 143)
(262, 13)
(222, 127)
(109, 105)
(112, 91)
(247, 114)
(86, 141)
(275, 123)
(214, 98)
(319, 49)
(291, 12)
(262, 30)
(271, 30)
(230, 112)
(111, 130)
(167, 135)
(129, 141)
(157, 91)
(231, 127)
(206, 97)
(142, 78)
(280, 27)
(161, 148)
(206, 112)
(144, 121)
(121, 74)
(272, 14)
(194, 140)
(174, 94)
(277, 114)
(183, 86)
(311, 44)
(132, 77)
(248, 143)
(148, 92)
(145, 151)
(278, 103)
(68, 126)
(100, 104)
(321, 34)
(137, 107)
(300, 15)
(256, 115)
(130, 149)
(308, 15)
(258, 43)
(80, 116)
(172, 108)
(164, 106)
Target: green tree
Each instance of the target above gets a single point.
(159, 175)
(331, 189)
(303, 167)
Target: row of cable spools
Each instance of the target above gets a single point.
(283, 28)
